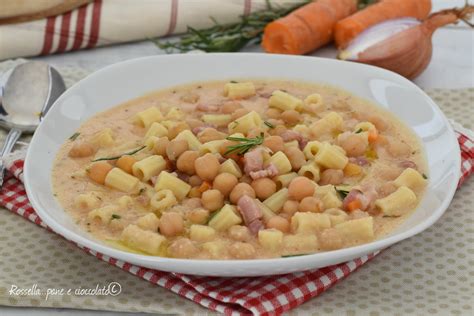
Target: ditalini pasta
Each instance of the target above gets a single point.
(240, 170)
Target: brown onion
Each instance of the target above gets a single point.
(402, 45)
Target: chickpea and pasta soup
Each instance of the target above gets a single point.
(240, 170)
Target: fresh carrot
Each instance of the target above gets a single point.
(306, 28)
(354, 205)
(347, 29)
(373, 135)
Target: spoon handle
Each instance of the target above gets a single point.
(10, 141)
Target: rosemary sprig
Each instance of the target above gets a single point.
(244, 145)
(228, 37)
(133, 152)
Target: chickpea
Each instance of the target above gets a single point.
(397, 148)
(161, 145)
(194, 180)
(296, 157)
(387, 188)
(263, 187)
(225, 182)
(290, 207)
(207, 167)
(300, 187)
(278, 130)
(192, 203)
(212, 199)
(242, 250)
(175, 148)
(246, 179)
(176, 129)
(239, 113)
(230, 107)
(273, 113)
(239, 233)
(331, 176)
(280, 223)
(194, 123)
(210, 134)
(186, 161)
(225, 146)
(240, 190)
(183, 248)
(354, 145)
(81, 149)
(330, 239)
(189, 97)
(310, 204)
(257, 131)
(126, 163)
(171, 224)
(197, 216)
(274, 143)
(291, 117)
(379, 122)
(98, 171)
(195, 192)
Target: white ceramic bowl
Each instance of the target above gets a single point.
(123, 81)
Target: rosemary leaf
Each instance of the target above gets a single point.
(74, 136)
(269, 124)
(297, 255)
(133, 152)
(359, 131)
(342, 193)
(115, 216)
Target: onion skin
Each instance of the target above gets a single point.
(407, 52)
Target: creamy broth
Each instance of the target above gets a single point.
(365, 160)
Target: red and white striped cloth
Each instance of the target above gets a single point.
(105, 22)
(269, 295)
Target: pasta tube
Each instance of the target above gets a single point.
(144, 240)
(225, 218)
(357, 229)
(163, 200)
(148, 167)
(245, 123)
(281, 162)
(306, 222)
(331, 157)
(397, 203)
(146, 117)
(230, 166)
(284, 101)
(410, 178)
(156, 129)
(218, 120)
(270, 239)
(122, 181)
(201, 233)
(239, 90)
(276, 200)
(168, 181)
(192, 140)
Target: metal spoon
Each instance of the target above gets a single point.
(28, 92)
